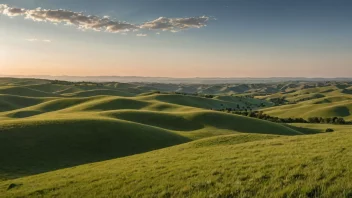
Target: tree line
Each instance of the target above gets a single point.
(263, 116)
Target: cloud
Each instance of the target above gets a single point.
(141, 35)
(176, 24)
(6, 10)
(91, 22)
(31, 39)
(35, 40)
(80, 20)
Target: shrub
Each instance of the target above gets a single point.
(329, 130)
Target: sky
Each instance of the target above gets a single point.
(169, 38)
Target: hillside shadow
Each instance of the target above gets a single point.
(304, 130)
(38, 147)
(347, 91)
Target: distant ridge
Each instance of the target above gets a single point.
(195, 80)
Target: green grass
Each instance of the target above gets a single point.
(95, 92)
(313, 109)
(227, 166)
(10, 102)
(320, 102)
(126, 140)
(25, 91)
(35, 146)
(207, 103)
(42, 134)
(53, 140)
(198, 120)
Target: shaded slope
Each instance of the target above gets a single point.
(193, 101)
(10, 102)
(240, 123)
(55, 104)
(48, 88)
(196, 120)
(171, 121)
(25, 91)
(33, 146)
(110, 103)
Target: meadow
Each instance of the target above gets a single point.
(85, 139)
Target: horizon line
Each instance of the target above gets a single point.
(216, 77)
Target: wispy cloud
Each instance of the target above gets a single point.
(176, 24)
(31, 39)
(38, 40)
(91, 22)
(141, 35)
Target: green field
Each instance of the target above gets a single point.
(65, 139)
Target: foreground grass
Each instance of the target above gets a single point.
(227, 166)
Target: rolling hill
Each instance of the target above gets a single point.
(239, 165)
(82, 139)
(331, 102)
(56, 129)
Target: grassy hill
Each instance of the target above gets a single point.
(42, 134)
(82, 139)
(35, 142)
(226, 166)
(332, 104)
(35, 146)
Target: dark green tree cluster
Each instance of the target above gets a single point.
(279, 101)
(334, 120)
(193, 94)
(263, 116)
(83, 83)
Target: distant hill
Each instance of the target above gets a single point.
(195, 80)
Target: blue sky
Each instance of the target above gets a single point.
(242, 38)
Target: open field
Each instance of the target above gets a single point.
(129, 139)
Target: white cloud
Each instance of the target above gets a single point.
(38, 40)
(78, 19)
(176, 24)
(91, 22)
(32, 39)
(141, 35)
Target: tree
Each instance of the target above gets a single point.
(340, 121)
(329, 130)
